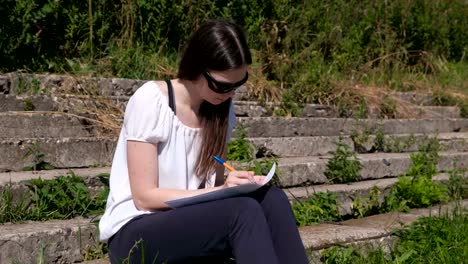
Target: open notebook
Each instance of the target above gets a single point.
(224, 193)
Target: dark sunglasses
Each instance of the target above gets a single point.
(223, 87)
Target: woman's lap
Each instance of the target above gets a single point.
(198, 231)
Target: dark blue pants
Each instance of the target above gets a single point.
(256, 228)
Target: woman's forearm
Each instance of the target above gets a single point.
(156, 198)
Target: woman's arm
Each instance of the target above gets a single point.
(143, 170)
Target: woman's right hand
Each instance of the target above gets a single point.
(235, 178)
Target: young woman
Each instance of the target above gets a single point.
(165, 151)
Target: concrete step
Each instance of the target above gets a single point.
(65, 241)
(310, 170)
(322, 145)
(91, 151)
(346, 194)
(54, 124)
(44, 124)
(55, 241)
(417, 98)
(15, 154)
(292, 127)
(88, 152)
(70, 103)
(81, 103)
(369, 232)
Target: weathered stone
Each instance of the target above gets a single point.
(415, 97)
(323, 145)
(346, 194)
(291, 127)
(326, 235)
(39, 125)
(26, 103)
(296, 146)
(361, 231)
(59, 152)
(54, 241)
(15, 177)
(310, 170)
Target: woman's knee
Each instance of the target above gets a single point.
(245, 205)
(276, 196)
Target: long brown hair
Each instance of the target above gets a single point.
(218, 46)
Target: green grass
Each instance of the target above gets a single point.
(64, 197)
(428, 240)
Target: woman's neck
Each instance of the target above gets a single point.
(189, 94)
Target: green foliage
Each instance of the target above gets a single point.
(458, 184)
(61, 198)
(443, 98)
(97, 251)
(320, 207)
(12, 209)
(388, 108)
(416, 188)
(379, 142)
(365, 206)
(420, 191)
(38, 158)
(303, 46)
(362, 109)
(428, 240)
(239, 148)
(28, 105)
(344, 166)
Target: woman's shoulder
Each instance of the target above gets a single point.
(150, 89)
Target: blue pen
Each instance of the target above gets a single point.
(222, 162)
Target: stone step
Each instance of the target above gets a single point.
(310, 170)
(416, 98)
(346, 194)
(66, 241)
(369, 232)
(86, 152)
(15, 177)
(54, 241)
(16, 154)
(75, 103)
(322, 145)
(92, 151)
(70, 103)
(54, 124)
(44, 124)
(292, 127)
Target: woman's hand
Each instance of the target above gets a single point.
(259, 179)
(242, 177)
(235, 178)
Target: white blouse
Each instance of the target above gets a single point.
(148, 118)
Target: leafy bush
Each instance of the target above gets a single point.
(239, 148)
(302, 46)
(344, 166)
(320, 207)
(61, 198)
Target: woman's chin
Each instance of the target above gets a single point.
(216, 101)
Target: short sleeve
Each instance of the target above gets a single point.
(231, 121)
(146, 118)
